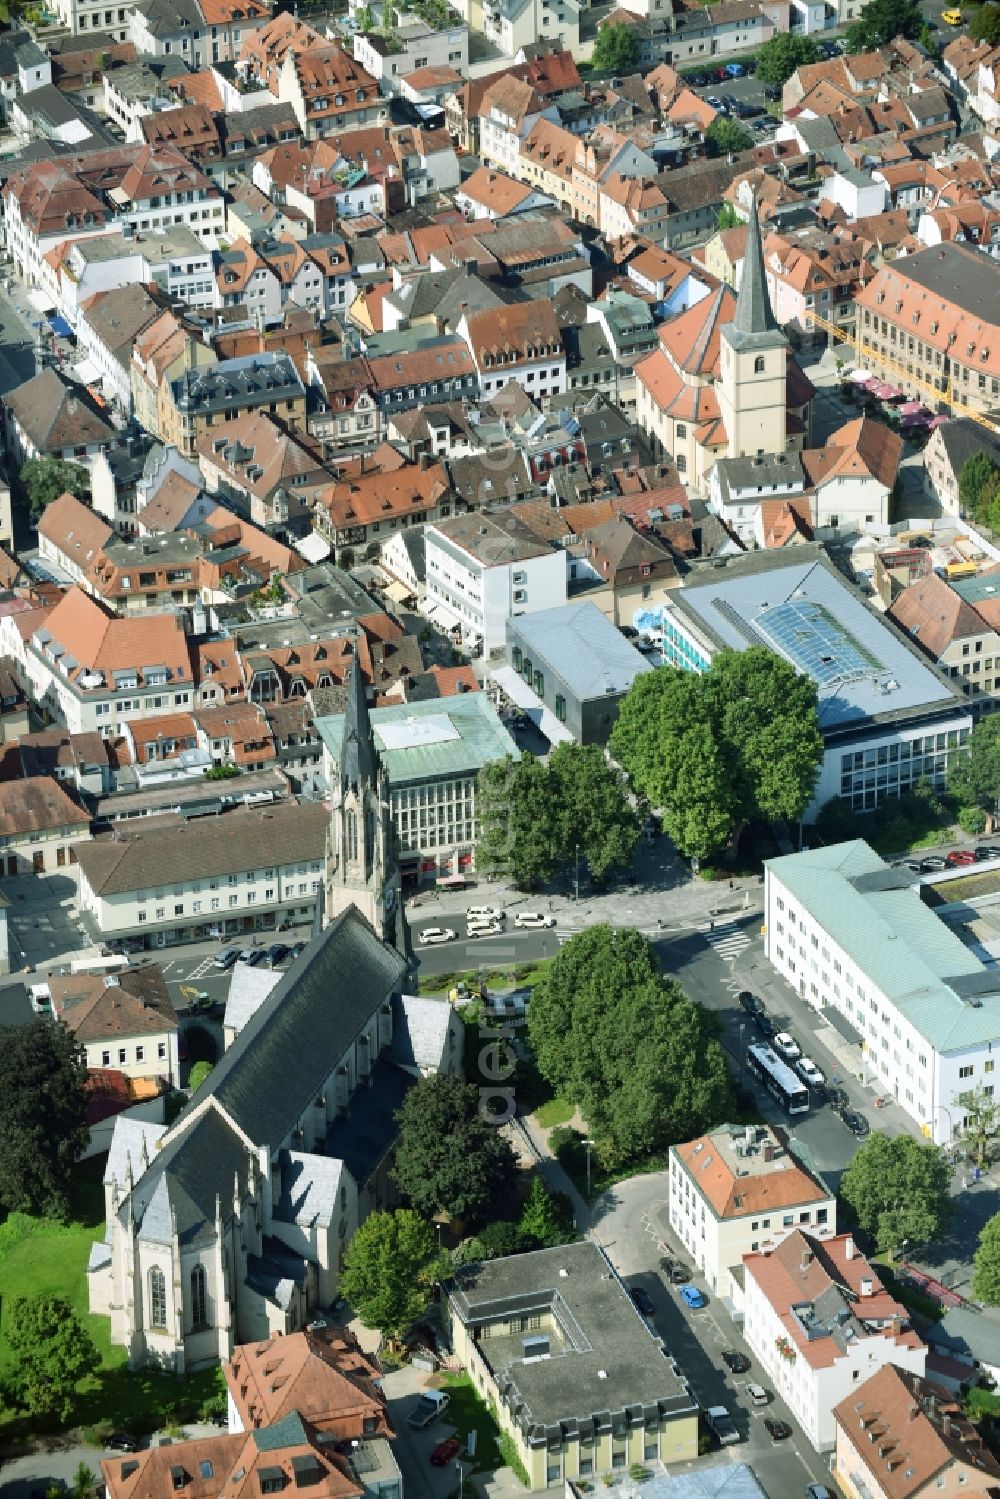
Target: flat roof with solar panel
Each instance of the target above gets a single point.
(799, 606)
(809, 637)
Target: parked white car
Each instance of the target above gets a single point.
(486, 913)
(809, 1072)
(434, 934)
(534, 918)
(786, 1046)
(481, 926)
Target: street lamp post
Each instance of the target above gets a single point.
(588, 1144)
(743, 1027)
(576, 895)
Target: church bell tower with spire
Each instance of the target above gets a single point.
(753, 379)
(362, 868)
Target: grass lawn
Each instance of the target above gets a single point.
(510, 976)
(556, 1111)
(39, 1256)
(467, 1412)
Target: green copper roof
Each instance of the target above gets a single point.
(431, 740)
(940, 986)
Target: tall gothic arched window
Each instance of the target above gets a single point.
(351, 834)
(157, 1298)
(199, 1297)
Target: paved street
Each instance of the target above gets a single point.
(630, 1222)
(17, 361)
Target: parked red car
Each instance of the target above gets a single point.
(445, 1452)
(960, 856)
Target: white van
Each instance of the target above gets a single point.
(486, 913)
(482, 926)
(534, 919)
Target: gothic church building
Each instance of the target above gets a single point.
(230, 1225)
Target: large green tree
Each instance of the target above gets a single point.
(534, 815)
(615, 49)
(53, 1351)
(979, 488)
(547, 1218)
(626, 1045)
(881, 21)
(986, 1264)
(778, 59)
(715, 749)
(725, 136)
(974, 772)
(591, 809)
(450, 1159)
(899, 1190)
(982, 1121)
(390, 1267)
(45, 479)
(985, 24)
(42, 1125)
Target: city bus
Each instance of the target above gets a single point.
(778, 1078)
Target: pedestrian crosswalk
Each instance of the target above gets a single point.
(728, 939)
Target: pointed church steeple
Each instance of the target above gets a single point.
(753, 324)
(358, 763)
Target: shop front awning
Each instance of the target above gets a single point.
(59, 325)
(40, 300)
(86, 372)
(399, 592)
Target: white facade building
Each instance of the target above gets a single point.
(198, 881)
(481, 571)
(851, 934)
(737, 1191)
(820, 1322)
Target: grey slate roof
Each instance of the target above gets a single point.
(357, 759)
(753, 324)
(579, 645)
(248, 989)
(964, 438)
(267, 1079)
(420, 1029)
(127, 1144)
(310, 1186)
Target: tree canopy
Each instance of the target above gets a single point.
(42, 1125)
(535, 814)
(899, 1190)
(615, 49)
(727, 218)
(626, 1045)
(450, 1160)
(974, 771)
(778, 58)
(45, 479)
(390, 1267)
(198, 1074)
(716, 749)
(979, 488)
(547, 1218)
(981, 1113)
(882, 20)
(985, 24)
(53, 1351)
(986, 1264)
(725, 136)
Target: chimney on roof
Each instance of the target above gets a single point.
(424, 462)
(806, 1261)
(849, 1249)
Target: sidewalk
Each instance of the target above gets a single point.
(664, 896)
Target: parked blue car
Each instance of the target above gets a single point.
(694, 1297)
(734, 69)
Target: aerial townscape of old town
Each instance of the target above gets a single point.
(499, 777)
